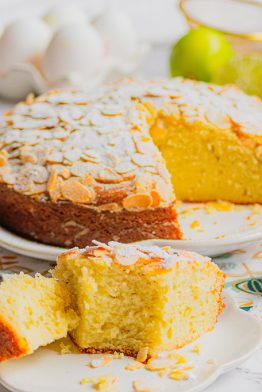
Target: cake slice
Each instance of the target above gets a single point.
(139, 300)
(33, 312)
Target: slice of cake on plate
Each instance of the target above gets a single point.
(127, 298)
(74, 164)
(33, 312)
(136, 299)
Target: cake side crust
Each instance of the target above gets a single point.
(67, 224)
(11, 345)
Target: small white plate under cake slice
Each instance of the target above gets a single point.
(236, 336)
(209, 229)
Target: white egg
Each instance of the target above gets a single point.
(23, 41)
(74, 49)
(118, 33)
(64, 14)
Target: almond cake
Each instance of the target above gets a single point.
(111, 297)
(76, 166)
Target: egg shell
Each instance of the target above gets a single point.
(61, 15)
(75, 48)
(23, 41)
(117, 32)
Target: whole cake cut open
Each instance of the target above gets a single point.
(76, 166)
(113, 297)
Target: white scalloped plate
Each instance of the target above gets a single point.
(236, 336)
(223, 227)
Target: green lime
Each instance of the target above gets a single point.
(244, 71)
(199, 54)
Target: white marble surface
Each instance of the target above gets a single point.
(248, 376)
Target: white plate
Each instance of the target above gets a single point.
(223, 227)
(236, 336)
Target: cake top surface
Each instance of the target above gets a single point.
(134, 254)
(95, 148)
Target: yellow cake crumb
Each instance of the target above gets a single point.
(65, 348)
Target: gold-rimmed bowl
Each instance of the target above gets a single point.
(239, 20)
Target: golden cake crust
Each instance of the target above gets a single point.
(66, 224)
(12, 346)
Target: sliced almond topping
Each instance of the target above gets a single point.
(100, 252)
(125, 167)
(108, 207)
(52, 180)
(156, 198)
(55, 157)
(137, 201)
(54, 186)
(105, 383)
(3, 158)
(75, 191)
(65, 173)
(142, 386)
(178, 375)
(135, 365)
(87, 180)
(108, 176)
(142, 354)
(37, 189)
(29, 99)
(159, 364)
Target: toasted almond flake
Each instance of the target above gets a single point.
(143, 386)
(30, 99)
(54, 186)
(108, 207)
(88, 180)
(159, 364)
(55, 157)
(125, 167)
(3, 158)
(105, 383)
(135, 365)
(37, 189)
(194, 224)
(180, 358)
(65, 173)
(75, 191)
(156, 199)
(108, 176)
(101, 252)
(142, 160)
(196, 349)
(103, 361)
(142, 354)
(178, 375)
(137, 201)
